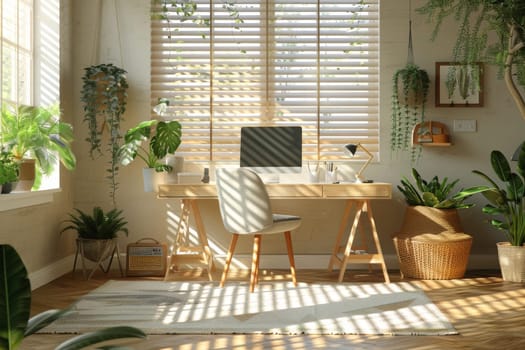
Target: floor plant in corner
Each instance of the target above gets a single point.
(506, 203)
(15, 307)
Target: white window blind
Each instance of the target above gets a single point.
(276, 62)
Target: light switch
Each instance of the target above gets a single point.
(465, 125)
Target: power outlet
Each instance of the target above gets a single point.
(465, 125)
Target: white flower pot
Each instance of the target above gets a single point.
(152, 179)
(511, 261)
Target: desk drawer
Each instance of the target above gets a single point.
(294, 190)
(358, 191)
(188, 191)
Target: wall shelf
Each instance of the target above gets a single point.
(431, 134)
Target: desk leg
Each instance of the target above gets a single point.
(182, 240)
(376, 240)
(342, 228)
(361, 205)
(350, 241)
(203, 238)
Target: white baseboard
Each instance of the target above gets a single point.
(51, 272)
(278, 261)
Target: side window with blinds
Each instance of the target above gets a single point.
(269, 62)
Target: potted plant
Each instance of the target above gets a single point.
(506, 197)
(488, 31)
(97, 238)
(431, 243)
(162, 137)
(9, 170)
(410, 86)
(15, 293)
(37, 133)
(104, 95)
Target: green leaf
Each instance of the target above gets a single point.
(500, 165)
(88, 339)
(15, 298)
(43, 319)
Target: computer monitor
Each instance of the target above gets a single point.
(272, 149)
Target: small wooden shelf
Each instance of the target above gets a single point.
(431, 134)
(436, 144)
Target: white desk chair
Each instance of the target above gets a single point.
(246, 210)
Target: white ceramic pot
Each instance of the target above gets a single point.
(152, 179)
(511, 261)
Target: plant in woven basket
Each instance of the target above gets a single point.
(435, 193)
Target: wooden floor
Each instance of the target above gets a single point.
(488, 314)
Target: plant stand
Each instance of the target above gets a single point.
(97, 251)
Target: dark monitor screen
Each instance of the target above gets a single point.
(272, 148)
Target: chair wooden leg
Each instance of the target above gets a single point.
(229, 257)
(288, 238)
(254, 276)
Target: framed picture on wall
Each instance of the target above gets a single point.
(459, 85)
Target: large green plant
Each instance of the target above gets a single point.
(104, 95)
(98, 225)
(409, 96)
(434, 193)
(37, 132)
(490, 31)
(506, 198)
(162, 137)
(15, 307)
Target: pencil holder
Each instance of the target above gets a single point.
(331, 176)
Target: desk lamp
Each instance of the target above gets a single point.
(351, 150)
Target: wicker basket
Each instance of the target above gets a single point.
(433, 256)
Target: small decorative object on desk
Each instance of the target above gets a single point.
(206, 176)
(330, 173)
(313, 173)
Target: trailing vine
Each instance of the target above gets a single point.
(410, 86)
(491, 31)
(104, 95)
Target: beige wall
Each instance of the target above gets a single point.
(499, 126)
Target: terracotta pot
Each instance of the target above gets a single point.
(26, 177)
(511, 261)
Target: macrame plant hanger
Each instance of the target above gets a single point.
(95, 52)
(410, 56)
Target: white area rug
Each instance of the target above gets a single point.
(274, 308)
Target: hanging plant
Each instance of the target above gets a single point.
(409, 96)
(104, 95)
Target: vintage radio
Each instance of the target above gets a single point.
(146, 257)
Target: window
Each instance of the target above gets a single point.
(312, 63)
(17, 51)
(30, 53)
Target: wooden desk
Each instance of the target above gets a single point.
(357, 196)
